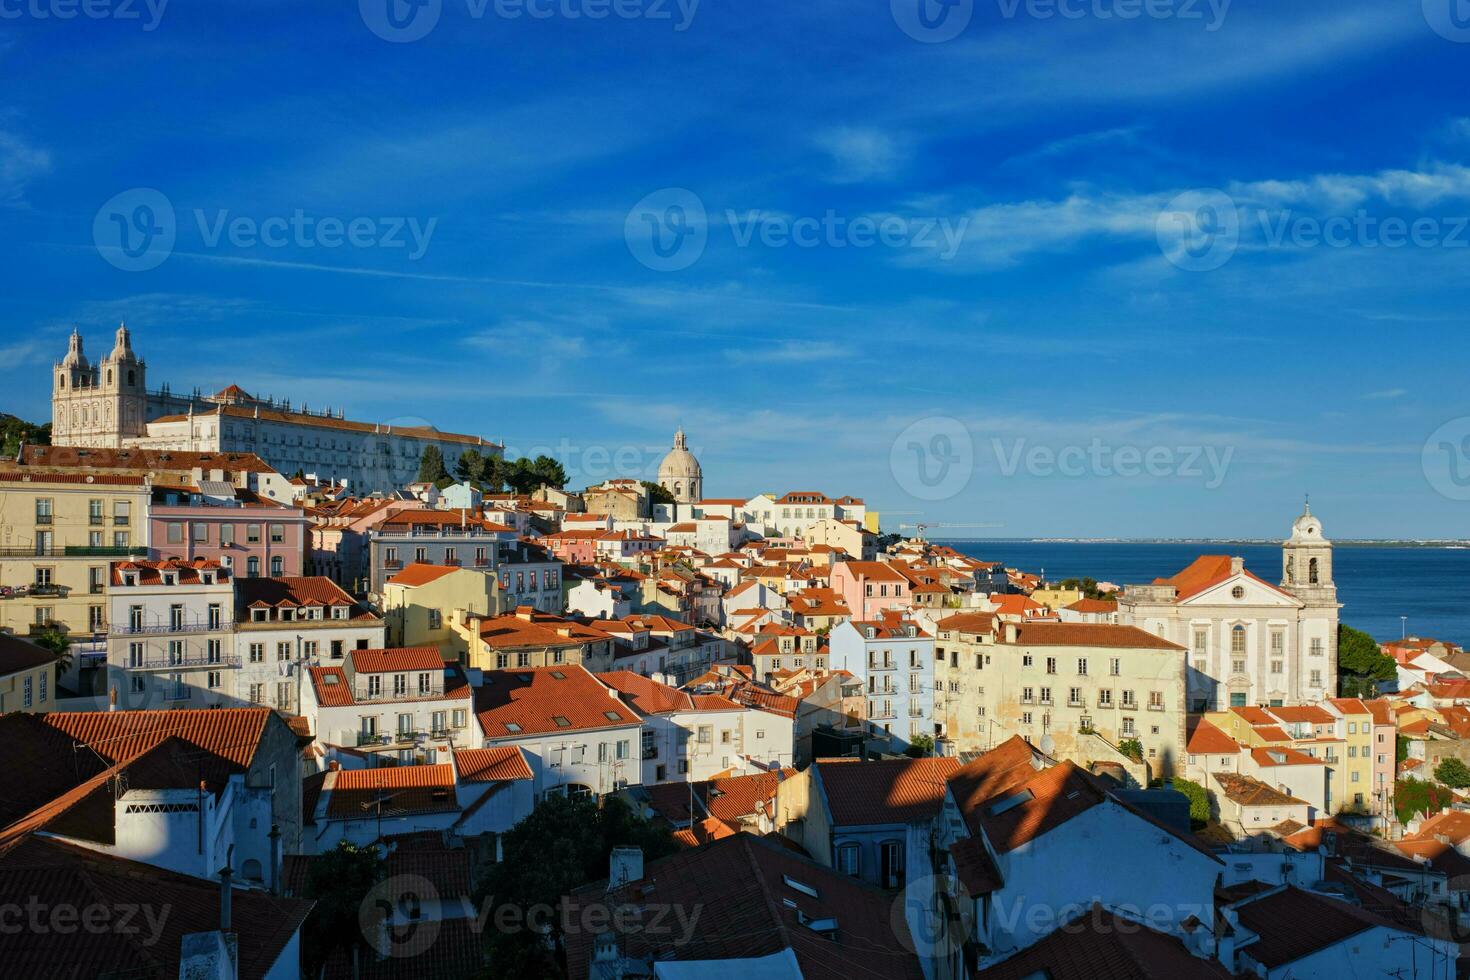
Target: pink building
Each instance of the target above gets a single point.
(578, 547)
(233, 526)
(870, 587)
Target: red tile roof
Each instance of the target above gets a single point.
(491, 765)
(396, 659)
(1099, 945)
(1292, 923)
(422, 573)
(1034, 633)
(1281, 755)
(1304, 714)
(1207, 571)
(887, 791)
(647, 696)
(750, 909)
(1248, 791)
(401, 790)
(17, 655)
(515, 703)
(1206, 739)
(151, 572)
(57, 875)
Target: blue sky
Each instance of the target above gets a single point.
(1080, 311)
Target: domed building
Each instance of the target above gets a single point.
(679, 473)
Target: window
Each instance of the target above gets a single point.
(424, 685)
(405, 724)
(1026, 660)
(459, 717)
(1201, 641)
(1105, 698)
(1237, 666)
(1237, 640)
(278, 567)
(849, 858)
(213, 651)
(94, 513)
(436, 619)
(1278, 643)
(1046, 695)
(1082, 666)
(121, 512)
(252, 566)
(135, 654)
(1026, 696)
(1316, 647)
(1051, 665)
(199, 532)
(226, 535)
(26, 694)
(1128, 726)
(400, 685)
(174, 533)
(1316, 678)
(42, 696)
(213, 680)
(252, 534)
(278, 533)
(1155, 700)
(43, 513)
(890, 854)
(623, 749)
(1115, 666)
(1128, 700)
(375, 685)
(1074, 697)
(1025, 717)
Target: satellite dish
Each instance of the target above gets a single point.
(1047, 744)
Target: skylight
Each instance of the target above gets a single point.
(800, 886)
(1011, 802)
(612, 716)
(511, 726)
(561, 721)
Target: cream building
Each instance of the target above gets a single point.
(58, 534)
(680, 473)
(1250, 642)
(108, 405)
(419, 602)
(1079, 690)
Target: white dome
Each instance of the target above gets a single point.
(680, 463)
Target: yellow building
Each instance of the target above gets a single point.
(1306, 728)
(419, 601)
(1056, 598)
(27, 676)
(58, 534)
(1355, 724)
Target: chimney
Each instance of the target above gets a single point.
(624, 865)
(1237, 565)
(1011, 632)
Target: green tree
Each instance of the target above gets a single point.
(549, 472)
(58, 643)
(1401, 749)
(920, 746)
(658, 494)
(1199, 801)
(14, 431)
(1132, 748)
(339, 881)
(1411, 796)
(1360, 663)
(431, 465)
(563, 844)
(482, 470)
(1453, 773)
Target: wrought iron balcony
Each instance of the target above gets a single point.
(184, 661)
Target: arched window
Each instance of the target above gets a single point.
(109, 375)
(1312, 572)
(251, 869)
(130, 378)
(1291, 570)
(1237, 640)
(62, 380)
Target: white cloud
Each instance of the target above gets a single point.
(789, 352)
(20, 163)
(862, 153)
(1386, 394)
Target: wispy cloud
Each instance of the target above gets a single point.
(861, 153)
(788, 352)
(1385, 395)
(21, 162)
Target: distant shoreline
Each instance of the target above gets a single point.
(1445, 543)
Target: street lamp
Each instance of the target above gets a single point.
(1403, 627)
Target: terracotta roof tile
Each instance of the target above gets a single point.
(491, 765)
(515, 703)
(886, 791)
(396, 659)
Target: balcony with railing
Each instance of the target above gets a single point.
(72, 551)
(166, 628)
(34, 591)
(185, 660)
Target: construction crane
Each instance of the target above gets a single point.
(924, 525)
